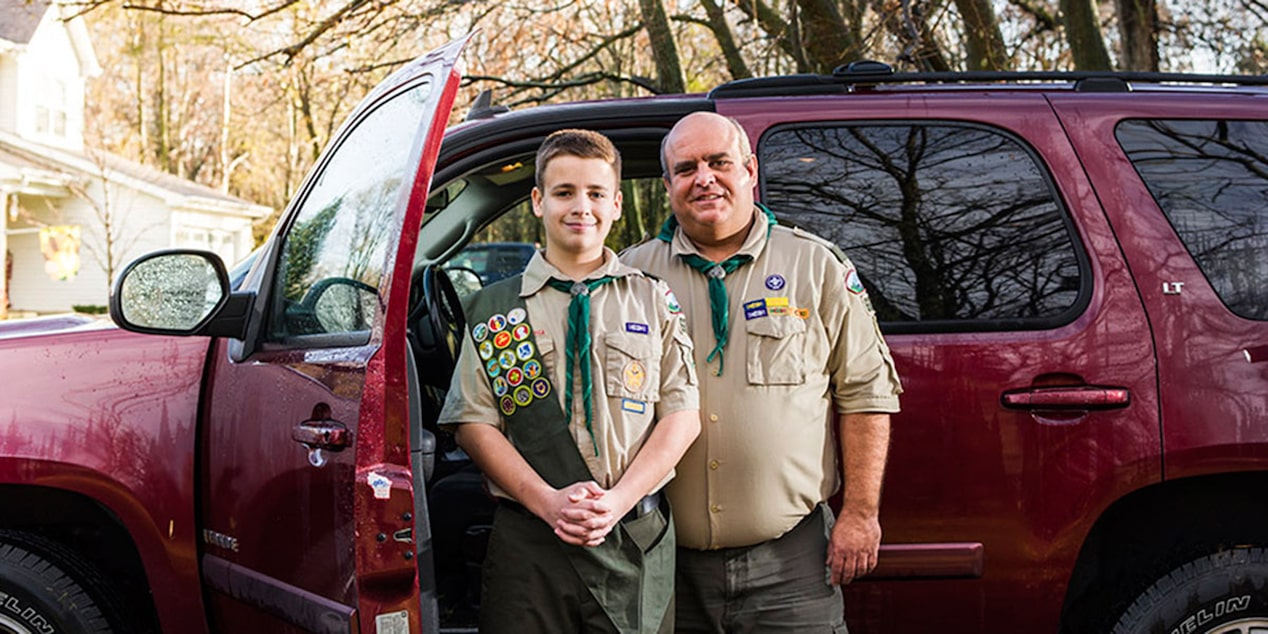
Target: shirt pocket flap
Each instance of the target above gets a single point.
(776, 327)
(636, 346)
(545, 345)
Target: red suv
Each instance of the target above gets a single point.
(1071, 271)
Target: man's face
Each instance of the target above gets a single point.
(710, 179)
(577, 202)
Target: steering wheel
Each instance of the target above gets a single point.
(438, 325)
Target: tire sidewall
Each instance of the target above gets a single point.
(42, 605)
(1203, 594)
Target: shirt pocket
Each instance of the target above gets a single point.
(775, 346)
(631, 366)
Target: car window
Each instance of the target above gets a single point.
(505, 244)
(334, 252)
(951, 226)
(1211, 180)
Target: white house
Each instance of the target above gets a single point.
(70, 216)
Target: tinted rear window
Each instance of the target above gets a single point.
(1211, 180)
(952, 226)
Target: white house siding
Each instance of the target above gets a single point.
(148, 228)
(50, 71)
(8, 90)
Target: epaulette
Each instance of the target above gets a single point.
(819, 240)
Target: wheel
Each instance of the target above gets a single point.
(1222, 593)
(438, 325)
(46, 588)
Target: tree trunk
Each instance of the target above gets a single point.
(825, 39)
(1138, 22)
(983, 40)
(1083, 33)
(726, 40)
(664, 48)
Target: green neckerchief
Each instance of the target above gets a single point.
(719, 303)
(578, 342)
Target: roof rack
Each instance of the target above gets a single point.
(866, 73)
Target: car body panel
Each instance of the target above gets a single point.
(1215, 414)
(135, 456)
(307, 542)
(963, 469)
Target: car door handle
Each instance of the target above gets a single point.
(330, 435)
(1256, 354)
(1079, 397)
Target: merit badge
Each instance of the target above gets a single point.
(775, 282)
(516, 316)
(524, 350)
(506, 359)
(497, 323)
(755, 309)
(631, 326)
(480, 332)
(532, 369)
(486, 350)
(672, 302)
(803, 313)
(502, 339)
(541, 388)
(515, 376)
(500, 387)
(634, 375)
(853, 283)
(630, 405)
(492, 367)
(507, 404)
(523, 395)
(520, 332)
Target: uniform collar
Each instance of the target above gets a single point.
(758, 234)
(539, 271)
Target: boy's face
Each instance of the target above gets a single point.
(577, 202)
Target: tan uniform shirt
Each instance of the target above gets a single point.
(640, 359)
(803, 345)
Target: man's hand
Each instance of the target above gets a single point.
(854, 546)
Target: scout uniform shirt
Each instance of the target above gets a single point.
(803, 344)
(640, 358)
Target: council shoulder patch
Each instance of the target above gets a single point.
(853, 283)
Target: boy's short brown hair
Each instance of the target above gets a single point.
(586, 144)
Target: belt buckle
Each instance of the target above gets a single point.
(643, 507)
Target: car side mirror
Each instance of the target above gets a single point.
(178, 292)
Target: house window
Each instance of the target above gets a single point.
(50, 107)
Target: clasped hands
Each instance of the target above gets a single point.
(583, 513)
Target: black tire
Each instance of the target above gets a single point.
(46, 588)
(1222, 593)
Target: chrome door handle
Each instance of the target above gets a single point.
(330, 435)
(1073, 398)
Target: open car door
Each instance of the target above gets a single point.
(307, 495)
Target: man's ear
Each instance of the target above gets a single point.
(616, 202)
(536, 196)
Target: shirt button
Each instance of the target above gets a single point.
(715, 508)
(713, 464)
(713, 417)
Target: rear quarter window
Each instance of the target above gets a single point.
(953, 227)
(1210, 178)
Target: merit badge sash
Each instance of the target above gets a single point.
(618, 569)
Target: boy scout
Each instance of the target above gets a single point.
(575, 394)
(795, 356)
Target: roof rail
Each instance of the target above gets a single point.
(866, 73)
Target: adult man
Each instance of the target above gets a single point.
(788, 353)
(581, 540)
